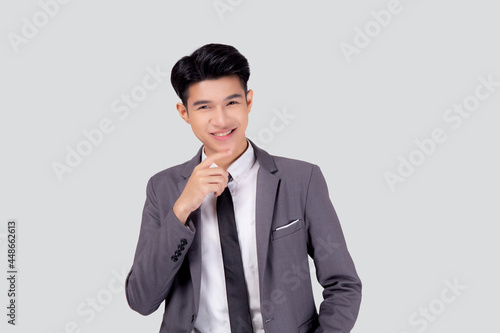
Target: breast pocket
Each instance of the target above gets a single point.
(288, 228)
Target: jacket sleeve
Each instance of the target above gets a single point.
(161, 249)
(335, 269)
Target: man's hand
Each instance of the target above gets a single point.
(202, 181)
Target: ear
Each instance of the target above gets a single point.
(249, 100)
(183, 112)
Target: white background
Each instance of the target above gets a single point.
(353, 116)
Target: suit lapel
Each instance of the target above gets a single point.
(267, 188)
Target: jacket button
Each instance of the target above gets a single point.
(184, 241)
(180, 248)
(178, 253)
(174, 258)
(192, 319)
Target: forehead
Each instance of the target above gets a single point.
(216, 89)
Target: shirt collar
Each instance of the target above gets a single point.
(240, 167)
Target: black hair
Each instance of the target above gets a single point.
(211, 61)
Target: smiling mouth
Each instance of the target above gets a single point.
(224, 133)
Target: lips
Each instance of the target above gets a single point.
(222, 134)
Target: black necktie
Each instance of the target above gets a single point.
(237, 297)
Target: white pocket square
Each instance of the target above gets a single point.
(287, 225)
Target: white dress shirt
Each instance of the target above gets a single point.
(213, 315)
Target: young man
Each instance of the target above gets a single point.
(225, 237)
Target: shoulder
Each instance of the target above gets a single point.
(169, 175)
(293, 167)
(172, 171)
(179, 171)
(298, 177)
(284, 166)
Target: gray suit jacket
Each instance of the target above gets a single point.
(294, 218)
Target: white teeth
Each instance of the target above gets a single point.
(223, 134)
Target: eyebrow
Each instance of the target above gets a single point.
(225, 99)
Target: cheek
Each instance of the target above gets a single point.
(243, 120)
(198, 124)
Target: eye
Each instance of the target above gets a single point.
(203, 107)
(232, 102)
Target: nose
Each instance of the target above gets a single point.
(220, 117)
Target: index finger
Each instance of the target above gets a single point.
(212, 158)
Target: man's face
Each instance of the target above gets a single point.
(218, 115)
